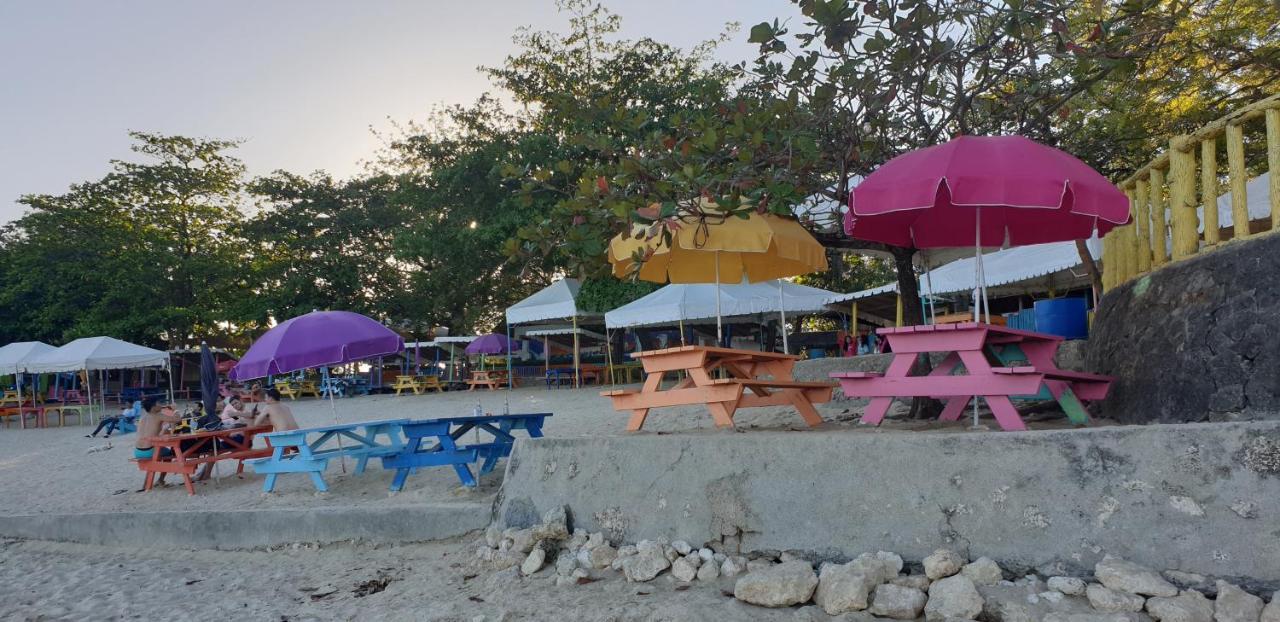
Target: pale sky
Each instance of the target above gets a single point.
(300, 81)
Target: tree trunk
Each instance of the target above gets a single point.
(913, 315)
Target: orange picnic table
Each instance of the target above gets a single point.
(723, 379)
(187, 451)
(491, 378)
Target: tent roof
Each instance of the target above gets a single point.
(15, 355)
(553, 302)
(685, 302)
(564, 330)
(97, 353)
(440, 342)
(1006, 267)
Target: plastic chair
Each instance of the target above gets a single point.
(129, 420)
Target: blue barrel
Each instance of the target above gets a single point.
(1066, 317)
(817, 353)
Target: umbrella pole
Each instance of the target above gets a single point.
(333, 410)
(681, 320)
(511, 383)
(577, 360)
(719, 334)
(782, 306)
(452, 362)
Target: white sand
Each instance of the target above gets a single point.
(52, 581)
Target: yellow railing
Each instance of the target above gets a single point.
(1163, 197)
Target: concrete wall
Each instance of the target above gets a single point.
(253, 528)
(1198, 497)
(1196, 340)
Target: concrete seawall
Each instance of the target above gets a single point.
(1199, 498)
(238, 529)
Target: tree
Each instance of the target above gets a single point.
(145, 253)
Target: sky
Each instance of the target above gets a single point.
(300, 82)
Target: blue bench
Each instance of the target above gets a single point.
(435, 442)
(291, 452)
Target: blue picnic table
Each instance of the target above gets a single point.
(435, 442)
(308, 450)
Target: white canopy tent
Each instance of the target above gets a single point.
(13, 359)
(691, 302)
(443, 342)
(99, 354)
(557, 301)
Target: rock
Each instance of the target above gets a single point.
(758, 565)
(917, 581)
(1125, 576)
(1106, 599)
(694, 559)
(1052, 597)
(522, 541)
(1190, 581)
(670, 553)
(953, 597)
(709, 571)
(733, 566)
(627, 550)
(594, 540)
(502, 560)
(682, 570)
(645, 565)
(878, 570)
(534, 562)
(492, 536)
(602, 556)
(1235, 605)
(1070, 586)
(1271, 613)
(681, 547)
(706, 554)
(719, 558)
(782, 585)
(983, 571)
(846, 587)
(943, 563)
(555, 525)
(892, 561)
(579, 538)
(1187, 606)
(566, 564)
(897, 602)
(1095, 617)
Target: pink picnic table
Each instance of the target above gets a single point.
(978, 362)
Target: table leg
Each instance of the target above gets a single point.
(397, 483)
(464, 474)
(1006, 415)
(1061, 391)
(318, 480)
(721, 414)
(191, 487)
(900, 367)
(807, 411)
(954, 408)
(269, 484)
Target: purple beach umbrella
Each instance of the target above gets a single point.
(493, 343)
(317, 339)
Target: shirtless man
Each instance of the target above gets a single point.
(276, 413)
(154, 416)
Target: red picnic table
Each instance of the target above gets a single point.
(187, 451)
(997, 363)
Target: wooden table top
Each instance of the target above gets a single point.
(758, 354)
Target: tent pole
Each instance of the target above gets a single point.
(682, 331)
(546, 354)
(782, 306)
(577, 362)
(608, 352)
(719, 335)
(452, 363)
(169, 369)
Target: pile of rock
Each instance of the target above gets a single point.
(950, 588)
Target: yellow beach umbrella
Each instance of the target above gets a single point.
(717, 248)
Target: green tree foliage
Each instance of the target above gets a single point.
(146, 253)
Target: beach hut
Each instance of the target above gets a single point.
(99, 354)
(557, 302)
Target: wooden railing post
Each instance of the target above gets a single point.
(1236, 181)
(1142, 219)
(1182, 198)
(1159, 228)
(1108, 263)
(1273, 163)
(1209, 189)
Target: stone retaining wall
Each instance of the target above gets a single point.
(1201, 498)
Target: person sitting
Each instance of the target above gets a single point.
(276, 413)
(154, 417)
(111, 423)
(235, 415)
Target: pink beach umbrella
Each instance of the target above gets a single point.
(989, 191)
